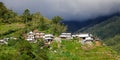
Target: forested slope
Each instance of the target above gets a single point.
(106, 29)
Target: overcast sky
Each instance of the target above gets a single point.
(68, 9)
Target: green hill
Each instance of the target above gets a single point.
(108, 31)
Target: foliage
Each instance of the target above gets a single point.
(56, 19)
(26, 16)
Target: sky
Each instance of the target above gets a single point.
(67, 9)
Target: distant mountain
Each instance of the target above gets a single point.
(75, 25)
(106, 29)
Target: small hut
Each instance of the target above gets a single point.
(98, 42)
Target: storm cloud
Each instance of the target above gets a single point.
(68, 9)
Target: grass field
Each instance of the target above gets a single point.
(72, 50)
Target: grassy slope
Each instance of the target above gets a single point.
(11, 29)
(72, 50)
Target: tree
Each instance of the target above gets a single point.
(57, 29)
(26, 16)
(56, 19)
(35, 19)
(3, 9)
(42, 24)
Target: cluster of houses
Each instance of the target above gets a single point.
(84, 38)
(32, 36)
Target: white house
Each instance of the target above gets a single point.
(66, 36)
(85, 38)
(48, 37)
(6, 39)
(30, 37)
(3, 42)
(84, 35)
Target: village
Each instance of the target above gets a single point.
(33, 36)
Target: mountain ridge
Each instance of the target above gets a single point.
(75, 25)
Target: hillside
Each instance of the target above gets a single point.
(73, 50)
(106, 29)
(114, 43)
(14, 25)
(75, 25)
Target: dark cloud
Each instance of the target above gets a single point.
(68, 9)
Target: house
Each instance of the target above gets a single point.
(97, 42)
(9, 38)
(88, 40)
(66, 36)
(6, 39)
(3, 42)
(48, 37)
(39, 35)
(30, 37)
(85, 38)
